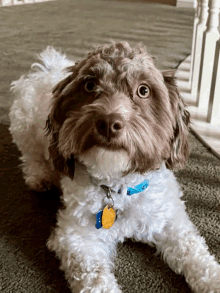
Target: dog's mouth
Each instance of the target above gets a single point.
(102, 142)
(103, 161)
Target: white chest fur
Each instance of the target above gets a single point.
(146, 211)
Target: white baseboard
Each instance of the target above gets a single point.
(185, 3)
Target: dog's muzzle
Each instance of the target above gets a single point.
(109, 126)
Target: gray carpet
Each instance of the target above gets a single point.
(26, 217)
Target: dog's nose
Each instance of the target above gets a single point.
(109, 125)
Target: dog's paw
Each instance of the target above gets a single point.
(109, 289)
(102, 290)
(105, 284)
(208, 284)
(102, 284)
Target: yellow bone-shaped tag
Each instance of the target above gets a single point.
(108, 216)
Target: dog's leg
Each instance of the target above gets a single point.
(86, 261)
(186, 253)
(38, 173)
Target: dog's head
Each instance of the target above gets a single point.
(116, 111)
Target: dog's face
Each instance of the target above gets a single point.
(118, 111)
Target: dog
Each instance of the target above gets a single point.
(109, 130)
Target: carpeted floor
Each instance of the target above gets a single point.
(26, 218)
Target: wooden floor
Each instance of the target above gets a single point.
(207, 133)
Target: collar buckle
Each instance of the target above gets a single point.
(108, 190)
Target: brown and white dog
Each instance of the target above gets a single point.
(115, 127)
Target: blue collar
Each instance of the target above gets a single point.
(130, 190)
(138, 188)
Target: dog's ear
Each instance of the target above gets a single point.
(179, 147)
(59, 88)
(63, 165)
(61, 96)
(54, 122)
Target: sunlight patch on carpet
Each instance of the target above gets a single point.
(19, 2)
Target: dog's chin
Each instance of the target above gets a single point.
(105, 163)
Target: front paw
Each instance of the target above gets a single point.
(105, 289)
(210, 283)
(99, 284)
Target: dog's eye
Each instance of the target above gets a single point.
(143, 91)
(90, 86)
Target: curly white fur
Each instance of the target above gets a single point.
(155, 216)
